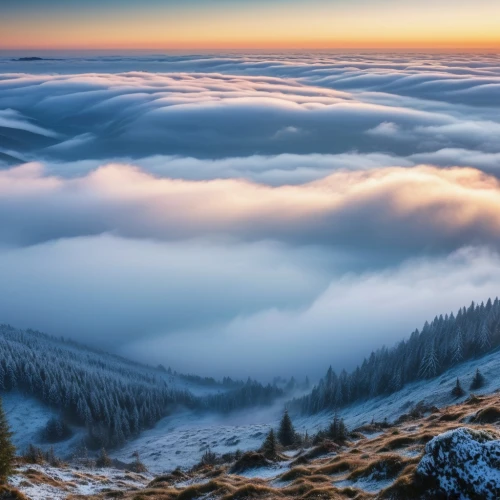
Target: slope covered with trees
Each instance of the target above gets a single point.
(114, 398)
(446, 341)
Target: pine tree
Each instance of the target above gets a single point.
(477, 381)
(430, 363)
(138, 466)
(286, 432)
(7, 449)
(458, 348)
(270, 446)
(457, 391)
(337, 431)
(484, 337)
(103, 459)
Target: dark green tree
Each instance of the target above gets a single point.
(337, 431)
(7, 450)
(286, 432)
(270, 446)
(138, 466)
(457, 391)
(103, 459)
(477, 381)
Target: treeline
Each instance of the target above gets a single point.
(114, 398)
(252, 393)
(202, 381)
(441, 344)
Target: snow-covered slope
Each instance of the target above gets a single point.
(27, 417)
(181, 440)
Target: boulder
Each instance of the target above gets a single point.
(463, 463)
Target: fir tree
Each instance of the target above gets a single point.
(103, 459)
(138, 466)
(484, 337)
(286, 432)
(7, 449)
(458, 348)
(457, 391)
(270, 446)
(430, 363)
(477, 381)
(337, 431)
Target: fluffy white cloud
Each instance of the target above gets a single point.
(355, 314)
(392, 211)
(210, 211)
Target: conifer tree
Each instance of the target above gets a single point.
(7, 449)
(138, 466)
(270, 446)
(458, 348)
(337, 431)
(430, 363)
(477, 381)
(286, 432)
(457, 391)
(103, 459)
(484, 337)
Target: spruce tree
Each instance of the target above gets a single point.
(270, 446)
(286, 432)
(477, 381)
(337, 431)
(7, 449)
(457, 391)
(103, 459)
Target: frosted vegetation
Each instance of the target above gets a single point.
(114, 398)
(440, 345)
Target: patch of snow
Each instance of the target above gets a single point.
(27, 418)
(267, 472)
(368, 484)
(76, 481)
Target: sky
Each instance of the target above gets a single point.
(249, 24)
(247, 214)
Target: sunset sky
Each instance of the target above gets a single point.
(244, 24)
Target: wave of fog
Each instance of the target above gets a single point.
(247, 214)
(239, 309)
(388, 212)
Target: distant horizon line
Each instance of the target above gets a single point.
(384, 49)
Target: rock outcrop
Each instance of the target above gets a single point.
(463, 463)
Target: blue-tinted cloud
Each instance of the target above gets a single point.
(172, 201)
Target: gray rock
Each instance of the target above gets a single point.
(465, 463)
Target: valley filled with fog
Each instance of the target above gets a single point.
(246, 214)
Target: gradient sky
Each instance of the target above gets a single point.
(234, 24)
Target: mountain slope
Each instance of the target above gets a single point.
(112, 398)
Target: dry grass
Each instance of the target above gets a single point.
(313, 474)
(9, 493)
(488, 415)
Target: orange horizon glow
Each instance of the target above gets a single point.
(492, 46)
(356, 25)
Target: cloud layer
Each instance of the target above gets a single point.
(190, 209)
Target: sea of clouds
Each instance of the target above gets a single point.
(247, 214)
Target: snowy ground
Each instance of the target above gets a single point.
(180, 440)
(49, 483)
(27, 418)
